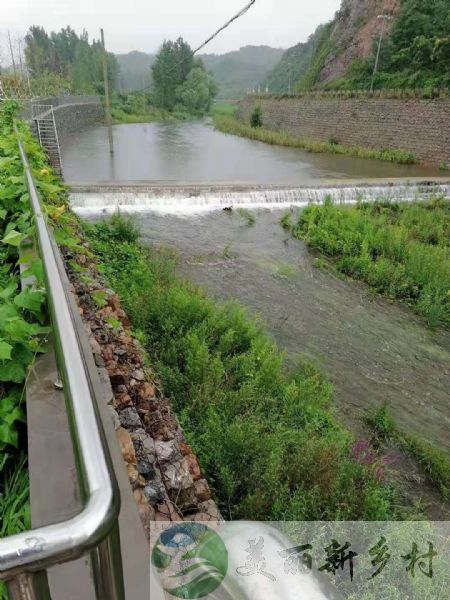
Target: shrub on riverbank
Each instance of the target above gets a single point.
(401, 250)
(229, 124)
(434, 461)
(267, 442)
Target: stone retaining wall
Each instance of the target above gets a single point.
(163, 471)
(72, 117)
(417, 125)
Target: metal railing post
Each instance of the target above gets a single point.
(107, 567)
(29, 586)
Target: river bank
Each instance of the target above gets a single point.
(230, 124)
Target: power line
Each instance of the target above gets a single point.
(238, 15)
(241, 13)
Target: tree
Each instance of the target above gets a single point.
(39, 52)
(198, 90)
(71, 60)
(172, 65)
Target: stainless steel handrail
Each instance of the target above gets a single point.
(24, 557)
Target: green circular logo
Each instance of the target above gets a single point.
(191, 560)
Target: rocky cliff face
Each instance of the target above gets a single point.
(354, 31)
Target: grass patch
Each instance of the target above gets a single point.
(435, 462)
(229, 124)
(149, 115)
(228, 110)
(247, 215)
(14, 500)
(266, 440)
(400, 250)
(285, 271)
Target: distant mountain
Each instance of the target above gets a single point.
(135, 73)
(236, 72)
(293, 65)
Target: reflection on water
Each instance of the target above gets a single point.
(194, 151)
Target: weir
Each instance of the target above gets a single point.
(186, 199)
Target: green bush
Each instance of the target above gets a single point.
(401, 250)
(125, 229)
(267, 441)
(256, 117)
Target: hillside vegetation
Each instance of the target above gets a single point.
(236, 72)
(415, 52)
(135, 70)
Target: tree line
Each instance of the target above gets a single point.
(67, 63)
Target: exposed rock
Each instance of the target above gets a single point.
(176, 476)
(166, 451)
(146, 512)
(210, 509)
(138, 374)
(147, 391)
(114, 302)
(194, 468)
(114, 417)
(146, 469)
(155, 492)
(130, 419)
(118, 378)
(108, 352)
(202, 491)
(144, 445)
(133, 474)
(126, 446)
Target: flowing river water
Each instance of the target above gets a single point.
(373, 351)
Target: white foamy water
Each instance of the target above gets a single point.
(188, 203)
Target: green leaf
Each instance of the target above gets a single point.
(5, 350)
(30, 300)
(16, 414)
(3, 213)
(7, 312)
(12, 371)
(13, 238)
(18, 329)
(36, 268)
(22, 353)
(9, 290)
(8, 435)
(17, 179)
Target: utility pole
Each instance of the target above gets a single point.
(384, 19)
(12, 53)
(107, 102)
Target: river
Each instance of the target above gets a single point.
(195, 152)
(373, 351)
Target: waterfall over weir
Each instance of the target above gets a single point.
(192, 199)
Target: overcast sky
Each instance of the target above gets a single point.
(143, 24)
